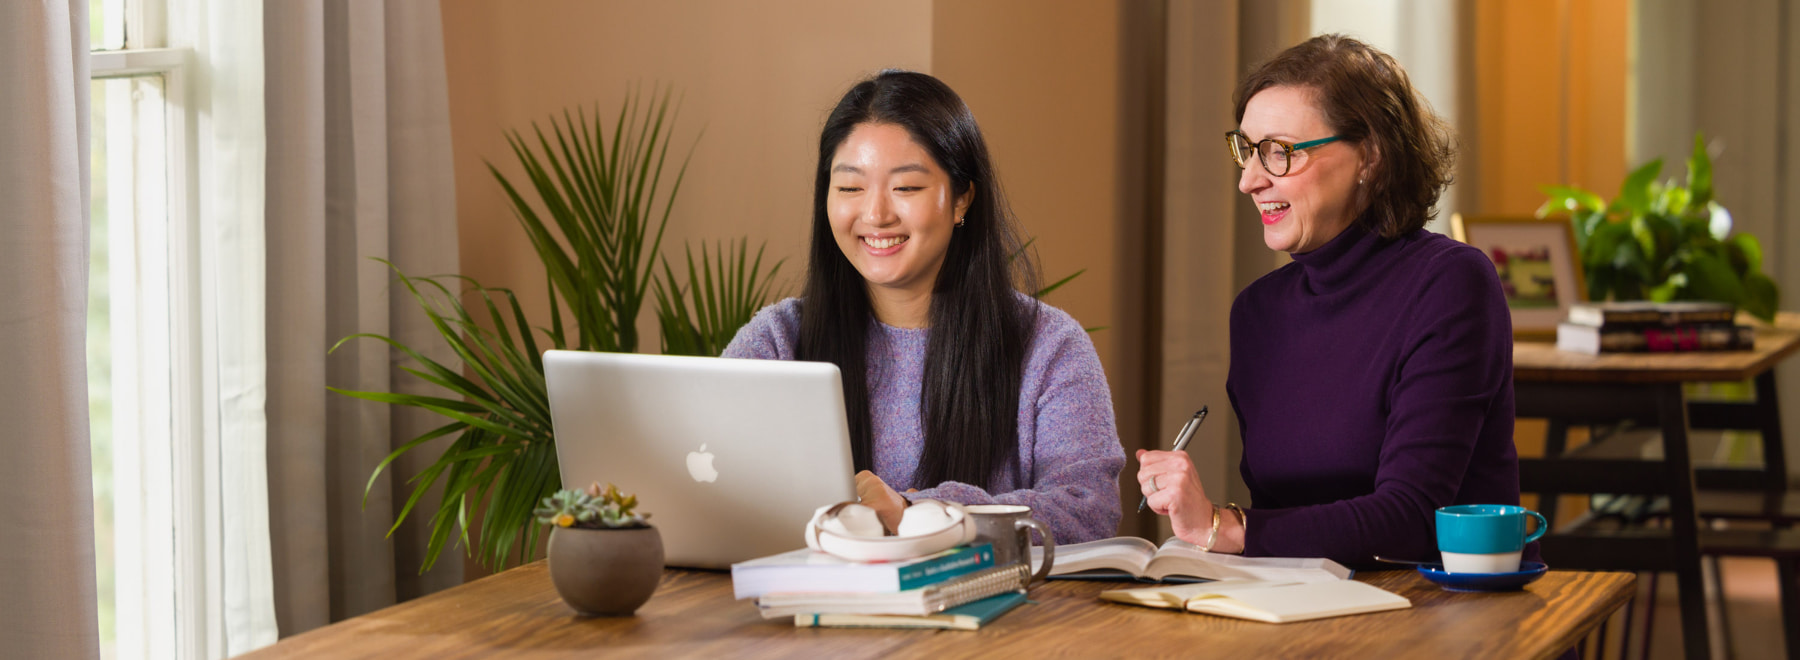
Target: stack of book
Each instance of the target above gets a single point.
(1638, 327)
(960, 588)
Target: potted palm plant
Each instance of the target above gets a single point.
(594, 203)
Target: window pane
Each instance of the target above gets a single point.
(127, 416)
(99, 361)
(106, 25)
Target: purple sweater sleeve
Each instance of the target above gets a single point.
(1455, 360)
(1069, 442)
(771, 334)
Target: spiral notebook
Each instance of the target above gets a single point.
(914, 602)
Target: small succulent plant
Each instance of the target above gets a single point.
(591, 508)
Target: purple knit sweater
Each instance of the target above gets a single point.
(1069, 453)
(1372, 380)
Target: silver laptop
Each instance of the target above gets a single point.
(729, 457)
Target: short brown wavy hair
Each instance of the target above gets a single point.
(1367, 98)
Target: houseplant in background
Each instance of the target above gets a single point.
(594, 207)
(1665, 241)
(605, 558)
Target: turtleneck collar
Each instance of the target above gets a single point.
(1341, 261)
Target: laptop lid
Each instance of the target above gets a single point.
(729, 457)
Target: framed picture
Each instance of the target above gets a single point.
(1539, 268)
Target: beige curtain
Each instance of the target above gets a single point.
(359, 167)
(47, 560)
(1211, 247)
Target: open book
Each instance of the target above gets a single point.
(1130, 557)
(1272, 602)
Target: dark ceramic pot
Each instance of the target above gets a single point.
(605, 572)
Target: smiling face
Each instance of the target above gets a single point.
(1317, 200)
(892, 211)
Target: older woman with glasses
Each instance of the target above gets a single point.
(1372, 376)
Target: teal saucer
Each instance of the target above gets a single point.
(1528, 573)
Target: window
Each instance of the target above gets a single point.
(139, 322)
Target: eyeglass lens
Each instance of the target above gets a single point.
(1275, 156)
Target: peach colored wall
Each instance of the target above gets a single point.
(758, 77)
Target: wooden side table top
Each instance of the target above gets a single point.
(1539, 361)
(518, 614)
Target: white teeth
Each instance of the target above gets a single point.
(1271, 207)
(884, 243)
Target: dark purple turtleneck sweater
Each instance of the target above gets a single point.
(1372, 381)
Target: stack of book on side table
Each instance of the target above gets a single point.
(959, 588)
(1640, 327)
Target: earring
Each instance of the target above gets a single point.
(960, 221)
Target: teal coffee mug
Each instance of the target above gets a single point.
(1485, 538)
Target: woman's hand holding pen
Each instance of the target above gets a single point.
(1172, 486)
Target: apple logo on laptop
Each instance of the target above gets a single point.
(700, 465)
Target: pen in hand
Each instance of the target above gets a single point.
(1181, 440)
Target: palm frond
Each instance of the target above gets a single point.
(724, 290)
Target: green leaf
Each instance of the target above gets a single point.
(1747, 254)
(1057, 284)
(1634, 267)
(1664, 292)
(1585, 223)
(1710, 278)
(1700, 173)
(1569, 199)
(1674, 200)
(1600, 283)
(1761, 298)
(1634, 194)
(1603, 245)
(724, 290)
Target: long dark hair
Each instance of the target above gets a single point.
(980, 330)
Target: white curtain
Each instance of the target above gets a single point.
(235, 607)
(46, 482)
(359, 167)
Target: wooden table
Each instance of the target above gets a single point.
(518, 614)
(1571, 389)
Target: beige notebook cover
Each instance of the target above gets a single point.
(1273, 602)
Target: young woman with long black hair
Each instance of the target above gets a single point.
(958, 387)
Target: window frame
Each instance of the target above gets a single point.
(167, 574)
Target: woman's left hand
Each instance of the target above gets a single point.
(1169, 480)
(876, 494)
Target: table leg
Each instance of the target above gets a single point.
(1556, 441)
(1683, 527)
(1790, 606)
(1768, 421)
